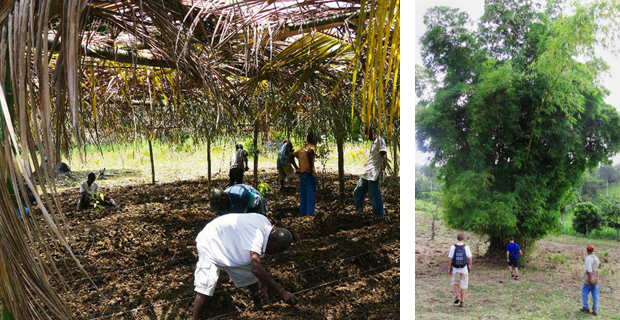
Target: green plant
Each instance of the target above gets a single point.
(611, 213)
(557, 259)
(263, 188)
(586, 218)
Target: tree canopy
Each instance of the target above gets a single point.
(517, 114)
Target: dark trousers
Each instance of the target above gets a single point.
(236, 176)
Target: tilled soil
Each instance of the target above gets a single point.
(141, 256)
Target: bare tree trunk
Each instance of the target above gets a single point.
(433, 229)
(256, 154)
(209, 161)
(152, 163)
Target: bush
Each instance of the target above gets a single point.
(611, 212)
(586, 218)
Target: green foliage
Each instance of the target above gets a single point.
(610, 210)
(557, 259)
(586, 217)
(515, 119)
(263, 188)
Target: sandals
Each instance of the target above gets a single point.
(462, 304)
(516, 277)
(456, 300)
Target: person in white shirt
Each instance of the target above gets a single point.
(369, 181)
(236, 243)
(89, 191)
(590, 281)
(238, 158)
(459, 267)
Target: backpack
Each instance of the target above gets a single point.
(459, 260)
(513, 250)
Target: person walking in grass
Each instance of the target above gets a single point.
(237, 168)
(307, 176)
(512, 257)
(459, 267)
(239, 198)
(590, 281)
(285, 163)
(237, 242)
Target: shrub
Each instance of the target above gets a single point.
(586, 217)
(611, 212)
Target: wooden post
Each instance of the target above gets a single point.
(152, 163)
(256, 124)
(209, 161)
(340, 132)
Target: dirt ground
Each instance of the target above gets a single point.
(141, 255)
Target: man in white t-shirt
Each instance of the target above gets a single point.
(591, 284)
(89, 191)
(369, 182)
(236, 242)
(238, 158)
(459, 267)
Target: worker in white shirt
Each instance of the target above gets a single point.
(236, 242)
(89, 191)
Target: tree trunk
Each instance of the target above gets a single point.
(340, 146)
(152, 163)
(607, 181)
(255, 155)
(433, 230)
(209, 162)
(395, 146)
(497, 246)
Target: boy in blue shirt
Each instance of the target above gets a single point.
(512, 257)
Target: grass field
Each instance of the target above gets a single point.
(548, 288)
(189, 161)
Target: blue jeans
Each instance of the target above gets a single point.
(307, 193)
(376, 199)
(585, 289)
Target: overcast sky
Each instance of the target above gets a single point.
(475, 9)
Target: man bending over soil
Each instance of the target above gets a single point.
(512, 257)
(236, 243)
(459, 267)
(89, 193)
(239, 198)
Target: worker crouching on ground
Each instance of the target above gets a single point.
(236, 242)
(89, 192)
(239, 198)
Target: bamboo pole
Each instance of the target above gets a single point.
(256, 124)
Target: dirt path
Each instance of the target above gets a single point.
(142, 256)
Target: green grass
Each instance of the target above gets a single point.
(188, 159)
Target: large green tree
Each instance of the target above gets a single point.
(518, 113)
